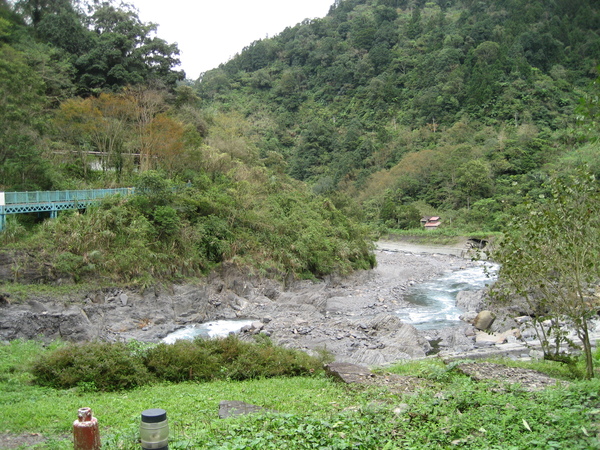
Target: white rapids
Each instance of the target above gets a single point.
(213, 329)
(435, 300)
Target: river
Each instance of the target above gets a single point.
(435, 300)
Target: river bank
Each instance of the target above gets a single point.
(353, 317)
(356, 318)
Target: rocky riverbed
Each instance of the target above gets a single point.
(353, 317)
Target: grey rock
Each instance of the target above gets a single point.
(230, 408)
(351, 331)
(468, 317)
(484, 320)
(471, 300)
(347, 372)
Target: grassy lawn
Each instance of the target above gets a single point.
(449, 411)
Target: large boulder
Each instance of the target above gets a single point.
(392, 340)
(71, 325)
(484, 320)
(471, 300)
(348, 373)
(455, 339)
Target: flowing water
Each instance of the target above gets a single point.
(215, 328)
(434, 302)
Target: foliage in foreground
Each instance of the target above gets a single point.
(117, 366)
(549, 267)
(448, 410)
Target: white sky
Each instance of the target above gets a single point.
(210, 32)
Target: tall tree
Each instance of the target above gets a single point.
(35, 11)
(125, 52)
(146, 104)
(97, 123)
(21, 121)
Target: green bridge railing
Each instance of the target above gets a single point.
(52, 201)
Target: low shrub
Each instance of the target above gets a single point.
(228, 358)
(267, 360)
(92, 366)
(110, 367)
(181, 361)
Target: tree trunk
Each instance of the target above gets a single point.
(587, 350)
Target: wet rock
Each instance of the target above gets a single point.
(254, 328)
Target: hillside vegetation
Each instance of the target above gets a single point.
(204, 194)
(456, 108)
(377, 114)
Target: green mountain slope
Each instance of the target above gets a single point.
(448, 104)
(203, 195)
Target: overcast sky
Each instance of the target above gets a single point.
(210, 32)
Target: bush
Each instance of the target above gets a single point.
(181, 361)
(267, 360)
(111, 367)
(93, 365)
(228, 358)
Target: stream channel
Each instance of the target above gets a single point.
(434, 304)
(435, 300)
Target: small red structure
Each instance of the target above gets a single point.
(86, 434)
(431, 223)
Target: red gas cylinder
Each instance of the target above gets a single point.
(86, 435)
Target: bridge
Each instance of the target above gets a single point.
(52, 201)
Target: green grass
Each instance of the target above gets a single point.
(442, 236)
(20, 293)
(451, 411)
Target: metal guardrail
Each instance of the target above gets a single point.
(52, 201)
(13, 198)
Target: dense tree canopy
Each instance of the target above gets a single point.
(108, 47)
(124, 52)
(382, 111)
(375, 83)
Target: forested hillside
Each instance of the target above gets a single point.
(54, 50)
(379, 113)
(92, 98)
(457, 108)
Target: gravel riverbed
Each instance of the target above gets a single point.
(352, 317)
